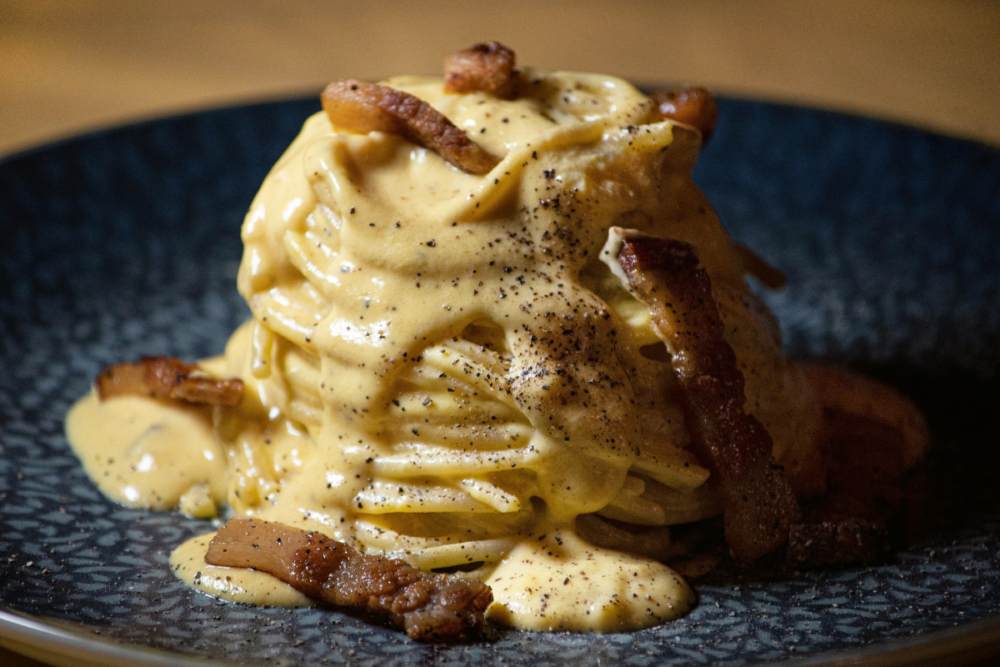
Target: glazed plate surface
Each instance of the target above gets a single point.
(126, 243)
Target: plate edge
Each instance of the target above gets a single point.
(64, 648)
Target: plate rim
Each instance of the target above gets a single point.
(40, 640)
(36, 639)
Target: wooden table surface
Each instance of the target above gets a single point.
(71, 66)
(77, 65)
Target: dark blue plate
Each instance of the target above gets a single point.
(126, 243)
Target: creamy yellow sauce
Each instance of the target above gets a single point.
(557, 582)
(147, 453)
(236, 584)
(441, 368)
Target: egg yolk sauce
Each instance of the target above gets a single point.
(441, 368)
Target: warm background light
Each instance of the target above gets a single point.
(71, 66)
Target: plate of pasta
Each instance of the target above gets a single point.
(126, 244)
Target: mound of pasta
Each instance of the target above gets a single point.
(496, 331)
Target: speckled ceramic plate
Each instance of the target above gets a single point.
(126, 243)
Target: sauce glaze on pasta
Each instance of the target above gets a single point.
(440, 367)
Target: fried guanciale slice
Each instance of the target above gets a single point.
(169, 378)
(847, 394)
(486, 67)
(758, 504)
(430, 607)
(369, 107)
(871, 436)
(693, 106)
(755, 265)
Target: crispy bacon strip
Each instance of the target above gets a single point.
(368, 107)
(835, 538)
(872, 436)
(758, 504)
(850, 522)
(430, 607)
(843, 393)
(487, 67)
(759, 269)
(693, 106)
(169, 378)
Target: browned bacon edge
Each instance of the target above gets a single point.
(872, 435)
(758, 504)
(430, 607)
(755, 265)
(368, 107)
(487, 67)
(168, 378)
(693, 106)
